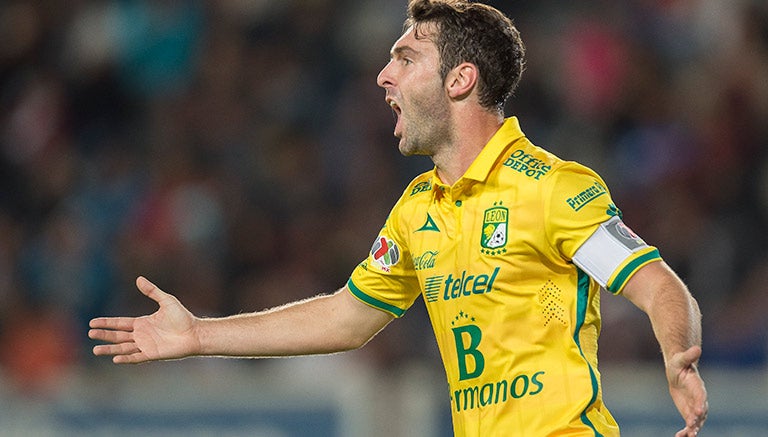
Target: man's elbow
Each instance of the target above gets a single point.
(346, 342)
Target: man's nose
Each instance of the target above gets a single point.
(384, 79)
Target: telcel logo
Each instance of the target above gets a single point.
(466, 285)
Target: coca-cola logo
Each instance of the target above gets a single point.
(425, 261)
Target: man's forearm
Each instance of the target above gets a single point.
(673, 312)
(675, 318)
(320, 325)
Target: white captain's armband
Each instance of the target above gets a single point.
(612, 254)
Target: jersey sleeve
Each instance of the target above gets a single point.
(585, 227)
(386, 279)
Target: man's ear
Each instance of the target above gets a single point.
(461, 80)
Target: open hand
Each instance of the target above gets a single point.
(687, 390)
(169, 333)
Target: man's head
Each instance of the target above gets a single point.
(453, 57)
(476, 33)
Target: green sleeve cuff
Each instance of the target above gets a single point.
(373, 302)
(622, 277)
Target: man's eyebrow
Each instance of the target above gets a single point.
(403, 50)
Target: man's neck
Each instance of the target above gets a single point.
(472, 133)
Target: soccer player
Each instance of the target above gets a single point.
(508, 245)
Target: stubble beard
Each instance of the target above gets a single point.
(427, 130)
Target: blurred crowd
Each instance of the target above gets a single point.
(240, 155)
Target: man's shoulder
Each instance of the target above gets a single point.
(529, 161)
(415, 199)
(420, 187)
(535, 163)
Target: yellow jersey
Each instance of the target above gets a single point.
(516, 320)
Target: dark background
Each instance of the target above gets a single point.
(240, 155)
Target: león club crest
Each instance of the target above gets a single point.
(494, 236)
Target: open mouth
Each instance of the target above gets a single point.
(396, 112)
(395, 108)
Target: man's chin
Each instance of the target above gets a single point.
(405, 148)
(410, 150)
(402, 146)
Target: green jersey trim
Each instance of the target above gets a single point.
(623, 276)
(581, 313)
(372, 301)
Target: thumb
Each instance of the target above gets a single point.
(688, 357)
(149, 289)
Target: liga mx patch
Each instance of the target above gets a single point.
(385, 253)
(495, 221)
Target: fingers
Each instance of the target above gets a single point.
(116, 349)
(134, 358)
(126, 323)
(114, 323)
(688, 432)
(697, 414)
(123, 349)
(694, 420)
(110, 336)
(118, 331)
(132, 355)
(700, 417)
(688, 391)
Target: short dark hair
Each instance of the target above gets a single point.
(478, 34)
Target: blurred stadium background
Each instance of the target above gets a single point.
(240, 154)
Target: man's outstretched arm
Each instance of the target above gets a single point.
(319, 325)
(676, 322)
